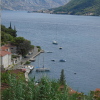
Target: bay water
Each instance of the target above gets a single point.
(79, 37)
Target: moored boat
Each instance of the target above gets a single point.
(52, 60)
(54, 42)
(42, 70)
(60, 47)
(62, 60)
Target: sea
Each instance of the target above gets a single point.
(79, 37)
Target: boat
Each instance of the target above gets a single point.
(54, 42)
(62, 60)
(49, 51)
(29, 67)
(52, 60)
(42, 69)
(29, 11)
(60, 47)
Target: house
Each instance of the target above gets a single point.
(4, 48)
(13, 49)
(97, 94)
(5, 58)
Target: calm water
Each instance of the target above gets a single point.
(79, 36)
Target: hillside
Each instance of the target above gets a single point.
(31, 5)
(80, 7)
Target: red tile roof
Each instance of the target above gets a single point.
(97, 89)
(4, 48)
(97, 93)
(3, 53)
(70, 90)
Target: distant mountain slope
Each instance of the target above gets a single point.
(80, 7)
(31, 4)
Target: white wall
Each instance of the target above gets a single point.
(6, 60)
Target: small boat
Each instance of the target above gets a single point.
(30, 67)
(42, 70)
(52, 60)
(55, 42)
(60, 47)
(49, 51)
(62, 60)
(29, 11)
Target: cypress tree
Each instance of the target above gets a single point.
(10, 26)
(62, 78)
(14, 28)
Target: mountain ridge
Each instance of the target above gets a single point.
(31, 5)
(79, 7)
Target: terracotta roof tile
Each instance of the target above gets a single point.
(97, 89)
(4, 48)
(3, 53)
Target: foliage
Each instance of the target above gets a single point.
(5, 76)
(39, 48)
(9, 30)
(46, 90)
(18, 40)
(32, 47)
(80, 7)
(23, 45)
(62, 80)
(27, 62)
(6, 37)
(14, 56)
(7, 34)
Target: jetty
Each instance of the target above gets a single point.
(27, 70)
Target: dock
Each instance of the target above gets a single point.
(27, 70)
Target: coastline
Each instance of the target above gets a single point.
(33, 55)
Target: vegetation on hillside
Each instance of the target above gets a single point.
(47, 89)
(80, 7)
(8, 35)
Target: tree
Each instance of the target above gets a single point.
(10, 26)
(18, 40)
(62, 78)
(24, 47)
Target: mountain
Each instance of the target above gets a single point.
(31, 5)
(79, 7)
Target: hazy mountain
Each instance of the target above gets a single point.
(31, 4)
(80, 7)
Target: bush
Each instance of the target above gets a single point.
(27, 62)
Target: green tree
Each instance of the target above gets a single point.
(62, 78)
(18, 40)
(10, 26)
(11, 32)
(24, 47)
